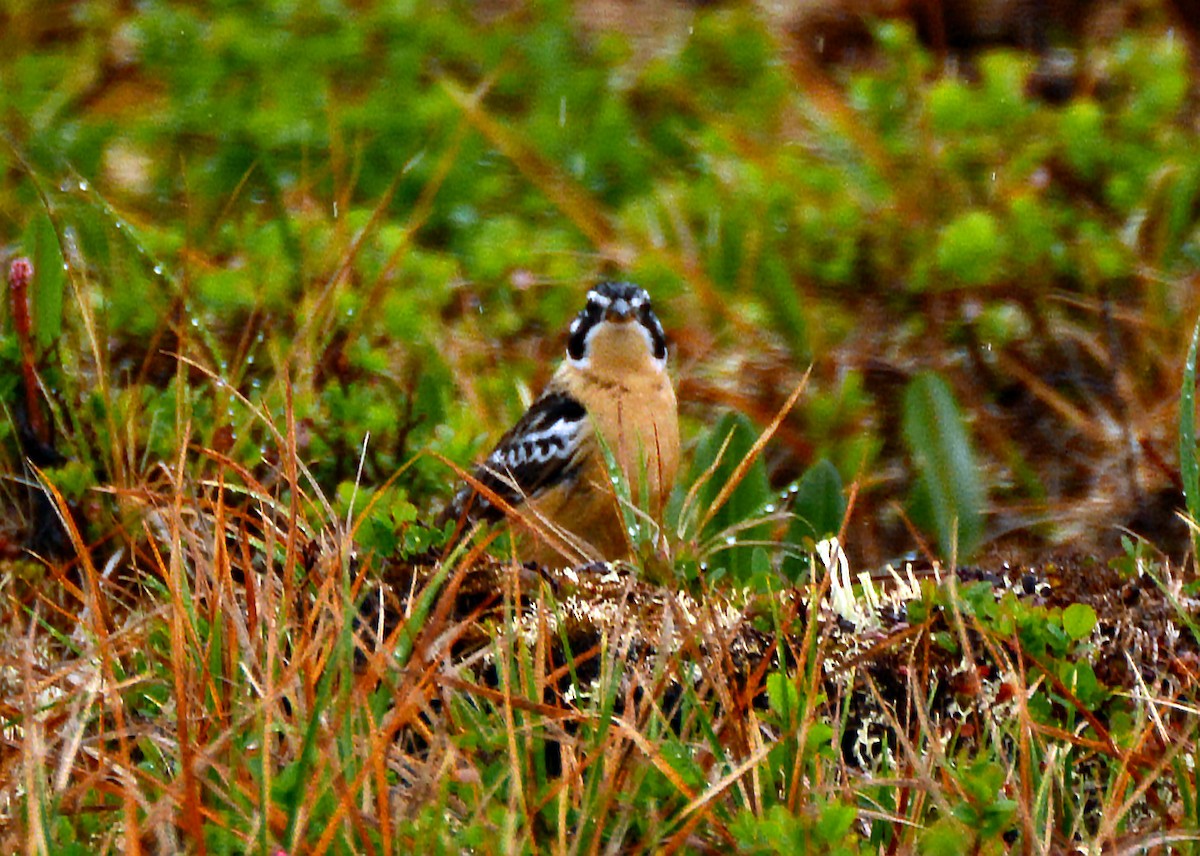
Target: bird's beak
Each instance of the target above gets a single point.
(619, 310)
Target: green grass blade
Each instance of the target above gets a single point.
(1189, 469)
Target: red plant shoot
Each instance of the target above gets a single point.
(20, 274)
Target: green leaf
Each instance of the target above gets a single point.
(946, 837)
(1084, 141)
(1078, 620)
(940, 447)
(761, 572)
(1080, 679)
(817, 513)
(834, 823)
(950, 104)
(820, 505)
(983, 781)
(820, 740)
(49, 278)
(782, 696)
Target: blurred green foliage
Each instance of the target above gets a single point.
(298, 187)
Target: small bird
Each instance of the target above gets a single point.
(550, 469)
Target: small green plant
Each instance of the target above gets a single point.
(730, 531)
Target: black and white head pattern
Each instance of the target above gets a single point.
(616, 302)
(539, 451)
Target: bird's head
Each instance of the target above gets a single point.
(617, 331)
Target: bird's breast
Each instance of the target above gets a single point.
(638, 420)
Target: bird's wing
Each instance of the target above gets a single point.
(540, 451)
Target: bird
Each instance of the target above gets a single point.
(612, 388)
